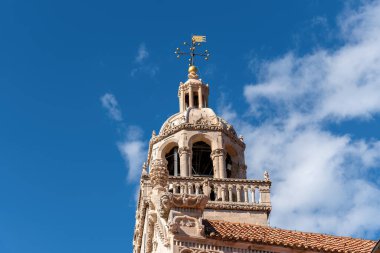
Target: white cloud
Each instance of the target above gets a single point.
(110, 103)
(150, 70)
(132, 148)
(320, 179)
(144, 67)
(142, 53)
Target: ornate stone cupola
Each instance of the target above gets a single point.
(195, 170)
(193, 93)
(195, 142)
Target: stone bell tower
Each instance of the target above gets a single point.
(195, 171)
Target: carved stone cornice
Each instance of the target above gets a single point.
(169, 130)
(265, 190)
(219, 205)
(158, 173)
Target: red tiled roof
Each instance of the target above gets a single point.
(222, 230)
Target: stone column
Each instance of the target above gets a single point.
(200, 97)
(184, 153)
(191, 96)
(215, 163)
(238, 193)
(246, 200)
(222, 165)
(181, 101)
(218, 158)
(230, 189)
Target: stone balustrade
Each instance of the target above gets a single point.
(233, 192)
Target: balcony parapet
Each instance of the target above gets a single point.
(226, 193)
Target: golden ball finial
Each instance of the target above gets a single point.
(193, 69)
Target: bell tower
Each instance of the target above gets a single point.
(195, 170)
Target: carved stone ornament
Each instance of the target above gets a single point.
(159, 173)
(173, 227)
(165, 205)
(144, 169)
(266, 176)
(183, 223)
(203, 121)
(169, 200)
(190, 201)
(152, 218)
(217, 152)
(193, 75)
(184, 150)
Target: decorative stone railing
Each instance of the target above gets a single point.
(228, 193)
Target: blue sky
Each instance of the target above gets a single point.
(84, 83)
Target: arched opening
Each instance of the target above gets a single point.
(212, 194)
(201, 162)
(196, 100)
(228, 166)
(173, 161)
(186, 101)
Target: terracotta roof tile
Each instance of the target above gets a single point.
(222, 230)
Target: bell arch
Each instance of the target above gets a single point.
(231, 161)
(172, 157)
(201, 163)
(165, 147)
(201, 137)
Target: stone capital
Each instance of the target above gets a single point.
(184, 150)
(217, 152)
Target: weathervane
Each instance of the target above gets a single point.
(196, 41)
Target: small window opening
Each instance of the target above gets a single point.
(201, 162)
(173, 161)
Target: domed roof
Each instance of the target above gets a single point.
(195, 117)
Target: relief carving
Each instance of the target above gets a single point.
(203, 121)
(187, 225)
(159, 173)
(190, 201)
(165, 205)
